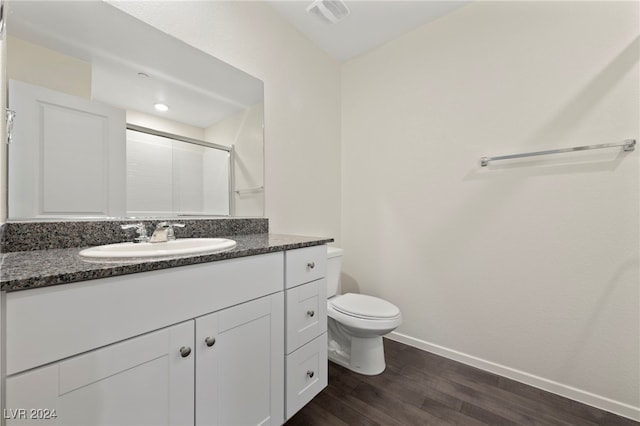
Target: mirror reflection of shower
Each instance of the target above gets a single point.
(168, 175)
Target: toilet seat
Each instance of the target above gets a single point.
(365, 307)
(357, 321)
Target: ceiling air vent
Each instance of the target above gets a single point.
(329, 11)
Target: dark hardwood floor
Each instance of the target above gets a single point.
(420, 388)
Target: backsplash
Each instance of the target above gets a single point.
(26, 236)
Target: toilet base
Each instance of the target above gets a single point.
(363, 355)
(367, 356)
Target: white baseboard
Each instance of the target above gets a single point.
(584, 397)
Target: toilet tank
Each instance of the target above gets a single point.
(334, 263)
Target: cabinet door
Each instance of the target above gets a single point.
(145, 380)
(240, 364)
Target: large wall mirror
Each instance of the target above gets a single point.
(114, 118)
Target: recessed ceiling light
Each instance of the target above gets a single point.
(161, 107)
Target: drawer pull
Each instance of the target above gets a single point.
(185, 351)
(310, 374)
(311, 313)
(210, 341)
(311, 265)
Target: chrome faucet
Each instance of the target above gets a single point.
(164, 232)
(141, 230)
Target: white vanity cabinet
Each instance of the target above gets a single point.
(227, 360)
(203, 344)
(306, 317)
(132, 349)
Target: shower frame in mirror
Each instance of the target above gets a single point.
(177, 209)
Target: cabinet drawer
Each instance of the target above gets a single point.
(307, 374)
(306, 313)
(305, 264)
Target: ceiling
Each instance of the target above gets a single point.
(193, 95)
(137, 65)
(370, 24)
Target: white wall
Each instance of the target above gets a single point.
(302, 102)
(245, 132)
(3, 137)
(528, 268)
(44, 67)
(165, 125)
(3, 207)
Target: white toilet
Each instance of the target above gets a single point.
(356, 323)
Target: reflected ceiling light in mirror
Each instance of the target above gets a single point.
(161, 107)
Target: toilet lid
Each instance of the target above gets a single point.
(363, 306)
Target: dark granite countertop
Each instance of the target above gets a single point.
(24, 270)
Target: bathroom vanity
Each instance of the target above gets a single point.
(236, 337)
(233, 337)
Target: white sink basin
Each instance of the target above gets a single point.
(180, 246)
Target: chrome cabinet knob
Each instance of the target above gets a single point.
(311, 313)
(185, 351)
(210, 341)
(311, 265)
(310, 374)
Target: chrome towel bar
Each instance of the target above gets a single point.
(248, 190)
(627, 145)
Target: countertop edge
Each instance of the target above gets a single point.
(14, 279)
